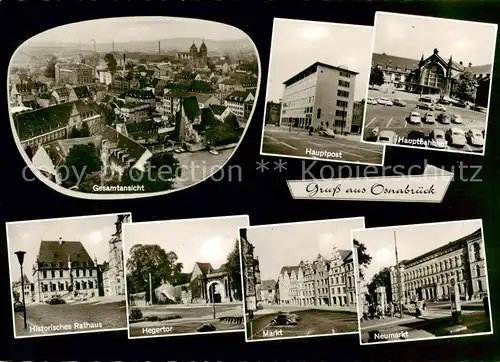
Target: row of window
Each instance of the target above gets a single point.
(343, 83)
(342, 93)
(298, 103)
(345, 74)
(78, 273)
(343, 104)
(60, 287)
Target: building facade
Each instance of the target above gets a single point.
(74, 74)
(321, 282)
(273, 112)
(430, 276)
(18, 291)
(320, 96)
(251, 274)
(113, 276)
(240, 104)
(64, 269)
(358, 113)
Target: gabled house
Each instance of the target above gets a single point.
(143, 132)
(240, 103)
(81, 92)
(63, 95)
(220, 112)
(187, 116)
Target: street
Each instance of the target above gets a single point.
(435, 323)
(312, 322)
(186, 319)
(280, 141)
(394, 118)
(98, 316)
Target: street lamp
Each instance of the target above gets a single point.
(20, 258)
(212, 292)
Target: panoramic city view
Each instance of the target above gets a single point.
(186, 285)
(315, 93)
(67, 275)
(423, 281)
(112, 106)
(432, 92)
(304, 291)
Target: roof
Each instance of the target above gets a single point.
(141, 126)
(40, 121)
(121, 142)
(476, 234)
(183, 278)
(238, 96)
(229, 81)
(191, 107)
(395, 62)
(288, 269)
(62, 91)
(344, 254)
(82, 92)
(18, 282)
(205, 267)
(217, 110)
(59, 150)
(201, 97)
(139, 94)
(480, 69)
(29, 87)
(60, 252)
(268, 284)
(73, 66)
(312, 69)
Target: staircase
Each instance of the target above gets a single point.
(231, 320)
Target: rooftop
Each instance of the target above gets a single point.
(312, 69)
(58, 253)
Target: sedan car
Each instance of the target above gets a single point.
(475, 137)
(372, 101)
(437, 139)
(291, 315)
(456, 118)
(429, 118)
(385, 102)
(456, 137)
(213, 152)
(56, 300)
(18, 306)
(417, 139)
(414, 118)
(440, 107)
(444, 118)
(327, 133)
(399, 102)
(387, 136)
(282, 319)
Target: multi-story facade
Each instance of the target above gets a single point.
(430, 276)
(240, 103)
(273, 112)
(251, 274)
(64, 269)
(74, 74)
(358, 113)
(135, 112)
(17, 289)
(322, 282)
(114, 275)
(319, 96)
(268, 291)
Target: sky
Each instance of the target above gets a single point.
(139, 28)
(93, 232)
(287, 244)
(412, 241)
(195, 240)
(410, 36)
(298, 44)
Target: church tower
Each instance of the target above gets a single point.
(203, 50)
(193, 51)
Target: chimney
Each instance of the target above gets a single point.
(61, 241)
(470, 64)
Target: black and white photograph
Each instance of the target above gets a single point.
(430, 83)
(67, 275)
(318, 74)
(112, 108)
(423, 281)
(184, 277)
(298, 279)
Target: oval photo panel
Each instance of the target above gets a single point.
(131, 107)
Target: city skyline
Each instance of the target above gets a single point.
(412, 241)
(93, 232)
(196, 240)
(143, 28)
(463, 40)
(296, 45)
(287, 244)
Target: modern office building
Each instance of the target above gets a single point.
(321, 95)
(432, 275)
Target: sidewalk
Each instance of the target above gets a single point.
(298, 308)
(100, 300)
(293, 130)
(186, 306)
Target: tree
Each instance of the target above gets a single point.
(376, 76)
(364, 259)
(16, 295)
(129, 66)
(465, 86)
(233, 122)
(233, 268)
(111, 63)
(222, 134)
(381, 279)
(84, 131)
(146, 260)
(50, 70)
(207, 120)
(107, 113)
(82, 160)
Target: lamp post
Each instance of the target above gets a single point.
(212, 293)
(20, 258)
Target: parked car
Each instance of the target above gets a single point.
(291, 315)
(444, 118)
(399, 102)
(440, 107)
(213, 151)
(456, 118)
(414, 118)
(429, 118)
(283, 319)
(456, 137)
(385, 102)
(437, 139)
(327, 133)
(206, 328)
(475, 137)
(18, 306)
(419, 136)
(387, 136)
(372, 101)
(56, 300)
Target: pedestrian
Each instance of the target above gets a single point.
(391, 309)
(365, 311)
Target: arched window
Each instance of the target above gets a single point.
(318, 113)
(477, 249)
(478, 271)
